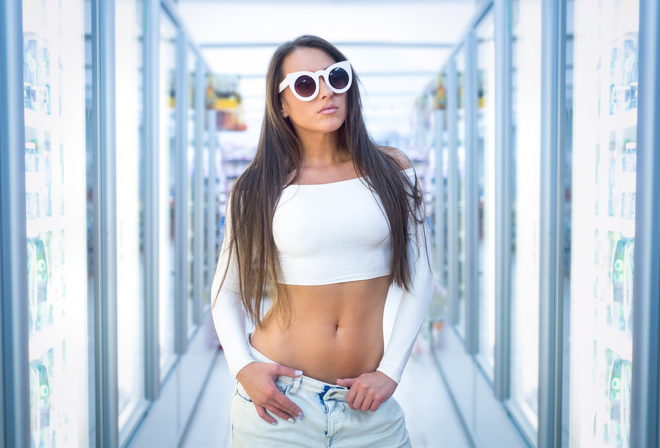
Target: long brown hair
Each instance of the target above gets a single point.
(256, 192)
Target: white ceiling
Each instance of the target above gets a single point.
(396, 48)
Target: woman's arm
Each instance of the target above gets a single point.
(414, 303)
(412, 307)
(257, 378)
(370, 390)
(227, 311)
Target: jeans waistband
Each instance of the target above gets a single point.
(325, 391)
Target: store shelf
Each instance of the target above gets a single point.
(615, 340)
(614, 224)
(31, 28)
(621, 120)
(39, 120)
(628, 28)
(45, 224)
(42, 341)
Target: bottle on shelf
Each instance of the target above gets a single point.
(32, 285)
(34, 405)
(622, 285)
(619, 389)
(210, 93)
(43, 94)
(627, 181)
(30, 73)
(32, 181)
(40, 421)
(630, 75)
(43, 314)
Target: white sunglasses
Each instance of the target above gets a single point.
(305, 85)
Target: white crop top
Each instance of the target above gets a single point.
(331, 233)
(350, 239)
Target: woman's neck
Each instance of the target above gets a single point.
(321, 150)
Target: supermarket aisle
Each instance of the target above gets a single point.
(430, 417)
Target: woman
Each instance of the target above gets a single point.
(319, 226)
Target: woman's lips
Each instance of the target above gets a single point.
(329, 110)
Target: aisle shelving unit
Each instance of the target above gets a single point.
(92, 197)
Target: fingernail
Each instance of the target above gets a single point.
(298, 372)
(300, 415)
(291, 420)
(273, 423)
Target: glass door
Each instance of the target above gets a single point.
(526, 139)
(444, 214)
(486, 189)
(190, 202)
(59, 273)
(167, 139)
(441, 152)
(130, 213)
(603, 233)
(209, 182)
(460, 148)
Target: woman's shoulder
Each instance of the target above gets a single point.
(399, 157)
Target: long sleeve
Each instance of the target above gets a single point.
(228, 314)
(413, 304)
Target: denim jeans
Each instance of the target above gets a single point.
(327, 422)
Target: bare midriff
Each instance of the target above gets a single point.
(335, 331)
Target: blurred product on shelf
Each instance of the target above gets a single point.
(622, 283)
(623, 74)
(171, 82)
(626, 178)
(36, 75)
(481, 93)
(32, 181)
(209, 94)
(222, 94)
(438, 91)
(40, 406)
(617, 427)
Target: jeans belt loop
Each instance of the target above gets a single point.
(296, 385)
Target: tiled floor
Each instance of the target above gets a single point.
(430, 417)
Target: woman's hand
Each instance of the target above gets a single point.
(368, 391)
(258, 380)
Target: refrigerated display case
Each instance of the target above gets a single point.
(208, 182)
(526, 140)
(55, 194)
(485, 154)
(167, 159)
(85, 143)
(130, 213)
(444, 215)
(441, 151)
(460, 158)
(603, 234)
(190, 179)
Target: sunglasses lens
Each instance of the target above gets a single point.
(305, 86)
(338, 78)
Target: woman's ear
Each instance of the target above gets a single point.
(283, 109)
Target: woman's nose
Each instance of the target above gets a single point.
(324, 89)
